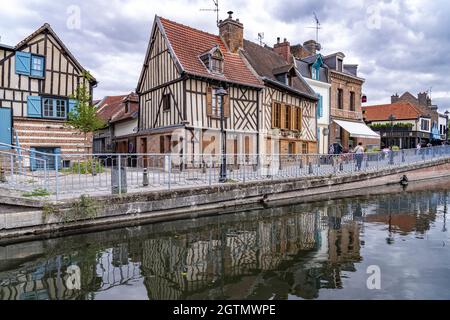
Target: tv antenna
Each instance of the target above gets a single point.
(261, 38)
(317, 27)
(216, 10)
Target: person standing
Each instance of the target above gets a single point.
(359, 155)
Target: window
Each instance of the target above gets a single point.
(166, 102)
(277, 115)
(216, 104)
(352, 101)
(425, 125)
(48, 108)
(305, 148)
(216, 65)
(37, 66)
(340, 99)
(340, 65)
(298, 119)
(291, 148)
(54, 108)
(61, 109)
(287, 117)
(213, 60)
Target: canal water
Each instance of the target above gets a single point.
(393, 246)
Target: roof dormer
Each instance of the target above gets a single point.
(213, 60)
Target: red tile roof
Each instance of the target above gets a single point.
(112, 108)
(401, 111)
(189, 44)
(132, 113)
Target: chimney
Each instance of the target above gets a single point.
(424, 100)
(283, 49)
(395, 98)
(312, 46)
(232, 33)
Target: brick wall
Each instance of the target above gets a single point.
(52, 134)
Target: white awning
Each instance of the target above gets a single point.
(357, 129)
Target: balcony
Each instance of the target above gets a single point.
(346, 114)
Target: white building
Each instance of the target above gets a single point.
(315, 72)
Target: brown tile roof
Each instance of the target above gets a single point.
(267, 63)
(132, 113)
(401, 111)
(189, 44)
(112, 107)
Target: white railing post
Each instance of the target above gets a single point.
(119, 163)
(56, 175)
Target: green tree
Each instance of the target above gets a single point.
(83, 117)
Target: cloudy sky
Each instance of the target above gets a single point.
(399, 44)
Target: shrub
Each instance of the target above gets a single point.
(395, 148)
(85, 167)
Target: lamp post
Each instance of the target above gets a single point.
(221, 92)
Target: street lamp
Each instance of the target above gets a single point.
(221, 92)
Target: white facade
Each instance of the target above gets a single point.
(125, 128)
(443, 123)
(323, 122)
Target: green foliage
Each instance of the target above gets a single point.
(84, 118)
(84, 208)
(38, 192)
(400, 125)
(85, 167)
(375, 149)
(395, 148)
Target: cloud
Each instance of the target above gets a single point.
(400, 45)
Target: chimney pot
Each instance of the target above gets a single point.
(278, 40)
(285, 39)
(232, 33)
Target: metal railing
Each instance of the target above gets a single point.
(76, 174)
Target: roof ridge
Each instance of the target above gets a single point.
(189, 27)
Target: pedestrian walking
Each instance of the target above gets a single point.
(359, 155)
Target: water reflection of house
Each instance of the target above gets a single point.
(191, 264)
(406, 213)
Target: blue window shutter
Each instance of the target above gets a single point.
(319, 106)
(33, 159)
(23, 63)
(34, 107)
(73, 105)
(35, 72)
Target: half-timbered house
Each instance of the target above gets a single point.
(288, 104)
(179, 108)
(37, 78)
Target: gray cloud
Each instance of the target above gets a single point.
(406, 53)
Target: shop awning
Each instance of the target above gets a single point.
(357, 129)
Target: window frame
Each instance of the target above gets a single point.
(216, 104)
(54, 107)
(40, 58)
(167, 102)
(287, 125)
(352, 101)
(340, 99)
(277, 114)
